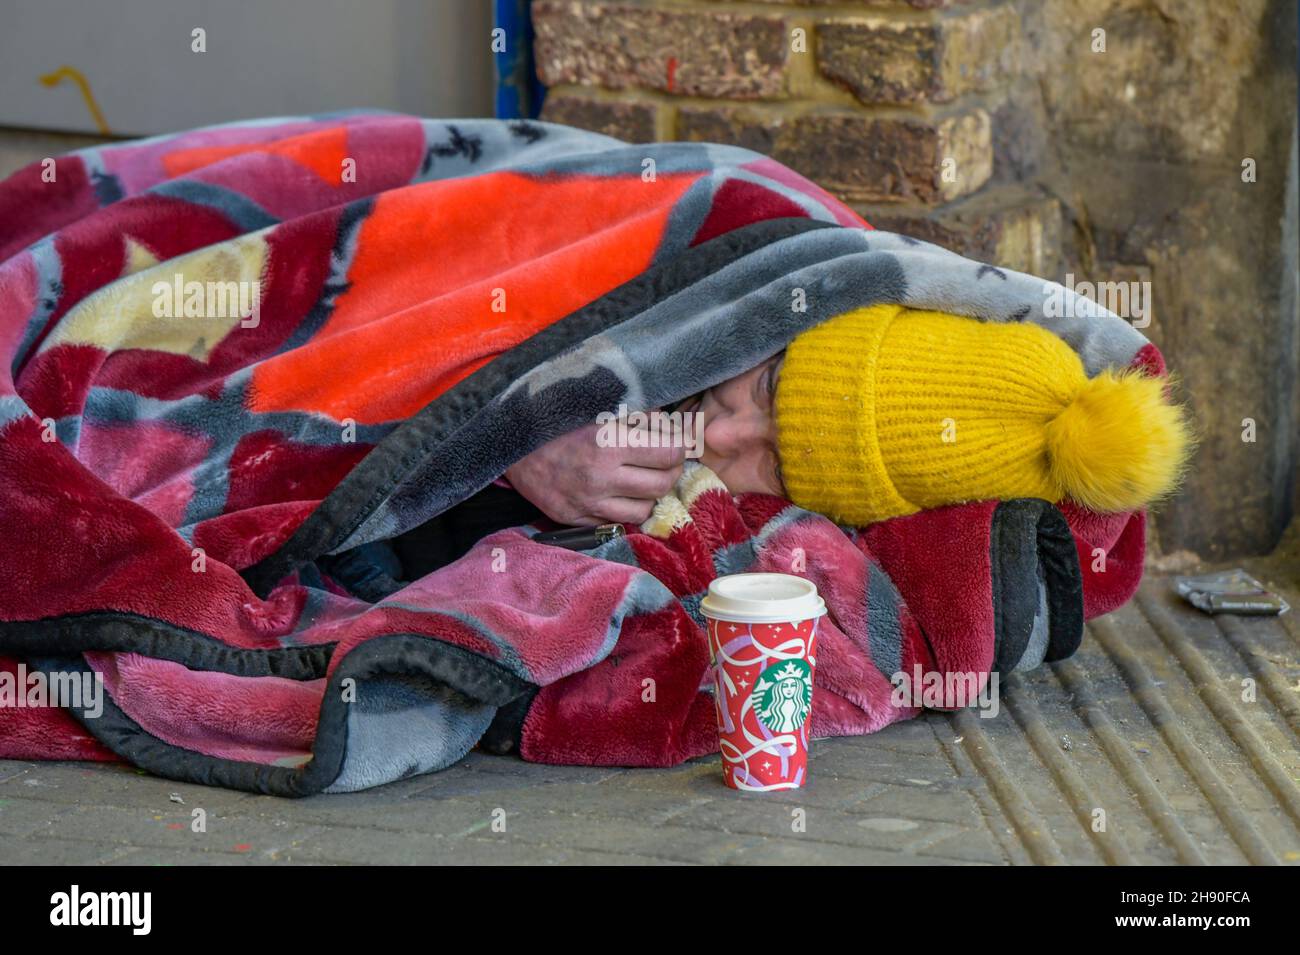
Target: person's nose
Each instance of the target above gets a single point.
(728, 435)
(721, 435)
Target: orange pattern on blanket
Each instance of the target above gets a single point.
(322, 152)
(511, 254)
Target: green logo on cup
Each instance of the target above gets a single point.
(782, 697)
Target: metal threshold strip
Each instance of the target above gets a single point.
(1170, 737)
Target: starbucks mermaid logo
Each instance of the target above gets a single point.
(783, 696)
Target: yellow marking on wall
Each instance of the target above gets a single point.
(74, 74)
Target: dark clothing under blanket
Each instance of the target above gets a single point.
(375, 570)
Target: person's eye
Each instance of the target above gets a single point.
(771, 375)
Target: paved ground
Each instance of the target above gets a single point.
(1145, 728)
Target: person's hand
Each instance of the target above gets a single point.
(573, 480)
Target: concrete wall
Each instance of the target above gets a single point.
(263, 58)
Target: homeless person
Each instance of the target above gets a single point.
(188, 484)
(875, 414)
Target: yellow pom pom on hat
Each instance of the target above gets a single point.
(884, 411)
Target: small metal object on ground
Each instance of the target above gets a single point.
(1230, 591)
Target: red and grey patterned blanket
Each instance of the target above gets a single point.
(231, 352)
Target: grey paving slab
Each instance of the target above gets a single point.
(108, 784)
(25, 817)
(74, 851)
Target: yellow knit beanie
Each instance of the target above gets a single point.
(884, 411)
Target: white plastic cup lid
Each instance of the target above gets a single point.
(762, 598)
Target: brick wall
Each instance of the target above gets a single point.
(895, 107)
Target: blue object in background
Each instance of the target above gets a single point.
(519, 95)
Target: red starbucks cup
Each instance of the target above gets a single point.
(762, 635)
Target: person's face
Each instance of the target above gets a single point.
(739, 429)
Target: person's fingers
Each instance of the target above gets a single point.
(622, 510)
(581, 443)
(653, 457)
(566, 513)
(644, 483)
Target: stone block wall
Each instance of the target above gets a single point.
(893, 106)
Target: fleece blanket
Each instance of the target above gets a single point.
(233, 352)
